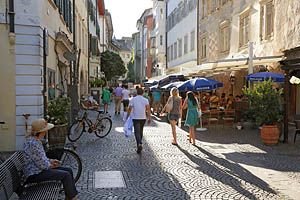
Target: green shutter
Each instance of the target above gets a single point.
(70, 16)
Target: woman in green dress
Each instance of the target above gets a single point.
(192, 119)
(106, 97)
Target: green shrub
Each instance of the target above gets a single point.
(264, 105)
(57, 111)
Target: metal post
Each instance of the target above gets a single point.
(250, 67)
(45, 54)
(287, 100)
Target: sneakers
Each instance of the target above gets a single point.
(139, 149)
(118, 113)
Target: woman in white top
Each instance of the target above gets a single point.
(176, 112)
(125, 97)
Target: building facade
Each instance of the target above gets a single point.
(47, 36)
(182, 35)
(125, 52)
(143, 25)
(158, 41)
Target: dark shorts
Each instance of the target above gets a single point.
(105, 102)
(126, 102)
(173, 116)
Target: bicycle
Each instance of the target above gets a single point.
(101, 127)
(63, 153)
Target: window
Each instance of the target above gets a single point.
(161, 40)
(203, 47)
(244, 29)
(161, 13)
(172, 53)
(65, 8)
(266, 20)
(185, 44)
(169, 54)
(179, 47)
(192, 40)
(224, 38)
(203, 8)
(175, 50)
(51, 84)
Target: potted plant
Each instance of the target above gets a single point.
(264, 100)
(57, 114)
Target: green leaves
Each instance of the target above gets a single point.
(58, 110)
(264, 103)
(112, 65)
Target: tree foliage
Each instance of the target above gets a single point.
(131, 75)
(112, 65)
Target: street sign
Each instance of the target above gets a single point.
(69, 56)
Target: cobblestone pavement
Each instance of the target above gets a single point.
(225, 164)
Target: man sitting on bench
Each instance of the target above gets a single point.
(38, 167)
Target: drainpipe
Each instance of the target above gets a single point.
(198, 33)
(11, 14)
(45, 54)
(89, 52)
(166, 35)
(74, 42)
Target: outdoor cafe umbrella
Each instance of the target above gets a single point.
(150, 83)
(155, 88)
(279, 78)
(200, 84)
(171, 85)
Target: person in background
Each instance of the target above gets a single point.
(106, 97)
(222, 102)
(118, 99)
(150, 95)
(39, 168)
(51, 92)
(213, 101)
(139, 105)
(230, 102)
(125, 97)
(156, 101)
(192, 118)
(176, 112)
(111, 90)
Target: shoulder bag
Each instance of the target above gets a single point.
(169, 105)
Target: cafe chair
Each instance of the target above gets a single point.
(213, 119)
(229, 117)
(297, 130)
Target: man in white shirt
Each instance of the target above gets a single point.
(139, 105)
(125, 97)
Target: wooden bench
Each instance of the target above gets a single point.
(12, 181)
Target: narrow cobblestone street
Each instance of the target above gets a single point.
(226, 164)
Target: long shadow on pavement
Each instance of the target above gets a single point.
(227, 171)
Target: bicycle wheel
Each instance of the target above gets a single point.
(75, 131)
(103, 127)
(71, 159)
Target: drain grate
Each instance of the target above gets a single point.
(109, 179)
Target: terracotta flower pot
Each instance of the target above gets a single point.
(57, 135)
(270, 135)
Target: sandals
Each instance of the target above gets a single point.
(173, 143)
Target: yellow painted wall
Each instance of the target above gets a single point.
(7, 91)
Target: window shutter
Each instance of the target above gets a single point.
(269, 18)
(71, 16)
(262, 22)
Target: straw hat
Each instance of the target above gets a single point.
(40, 125)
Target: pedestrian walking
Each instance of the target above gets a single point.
(106, 97)
(39, 168)
(139, 105)
(156, 101)
(125, 97)
(176, 111)
(192, 119)
(118, 99)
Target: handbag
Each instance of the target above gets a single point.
(169, 105)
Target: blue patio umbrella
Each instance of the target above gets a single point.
(200, 84)
(171, 85)
(150, 83)
(155, 88)
(279, 78)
